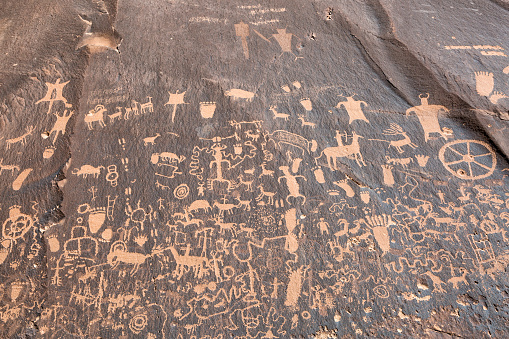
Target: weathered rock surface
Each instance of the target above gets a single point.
(265, 169)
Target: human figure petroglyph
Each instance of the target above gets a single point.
(60, 124)
(292, 183)
(54, 93)
(353, 108)
(428, 117)
(95, 115)
(218, 153)
(22, 139)
(284, 39)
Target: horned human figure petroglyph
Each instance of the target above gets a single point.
(428, 116)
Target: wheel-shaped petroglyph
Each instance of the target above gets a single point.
(468, 159)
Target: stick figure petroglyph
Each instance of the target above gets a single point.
(54, 94)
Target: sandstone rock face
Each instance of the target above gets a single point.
(263, 169)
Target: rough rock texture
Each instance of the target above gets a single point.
(260, 169)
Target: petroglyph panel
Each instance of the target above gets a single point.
(257, 170)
